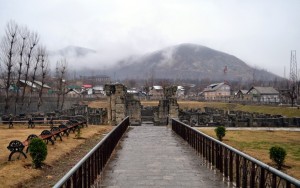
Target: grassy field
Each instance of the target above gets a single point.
(258, 143)
(13, 173)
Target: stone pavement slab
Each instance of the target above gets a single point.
(154, 156)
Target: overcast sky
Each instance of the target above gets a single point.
(260, 32)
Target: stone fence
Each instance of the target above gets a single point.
(215, 117)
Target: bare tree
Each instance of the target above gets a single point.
(33, 41)
(38, 57)
(44, 70)
(61, 67)
(24, 34)
(8, 52)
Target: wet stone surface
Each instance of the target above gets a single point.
(154, 156)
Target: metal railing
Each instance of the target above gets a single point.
(236, 166)
(88, 169)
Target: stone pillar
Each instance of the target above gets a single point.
(162, 114)
(116, 110)
(120, 107)
(173, 108)
(168, 107)
(134, 110)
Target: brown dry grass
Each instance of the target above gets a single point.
(98, 104)
(104, 104)
(12, 173)
(258, 143)
(149, 103)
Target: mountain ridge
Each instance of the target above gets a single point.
(190, 61)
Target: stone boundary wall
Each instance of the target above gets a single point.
(215, 117)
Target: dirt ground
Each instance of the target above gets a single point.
(62, 156)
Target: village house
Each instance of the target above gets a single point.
(180, 91)
(156, 92)
(217, 91)
(99, 90)
(264, 94)
(242, 95)
(28, 86)
(39, 84)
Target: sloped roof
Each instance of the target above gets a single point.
(87, 86)
(40, 84)
(29, 83)
(243, 91)
(265, 90)
(180, 88)
(214, 87)
(98, 88)
(74, 87)
(132, 91)
(157, 87)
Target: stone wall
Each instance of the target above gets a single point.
(215, 117)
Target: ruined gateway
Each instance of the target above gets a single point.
(122, 104)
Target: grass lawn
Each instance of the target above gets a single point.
(258, 143)
(13, 173)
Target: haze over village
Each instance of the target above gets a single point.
(148, 93)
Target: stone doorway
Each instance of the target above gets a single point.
(147, 114)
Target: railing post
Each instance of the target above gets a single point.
(209, 151)
(252, 178)
(237, 170)
(262, 178)
(231, 166)
(80, 177)
(273, 181)
(201, 145)
(85, 177)
(226, 162)
(221, 158)
(245, 177)
(74, 179)
(213, 162)
(217, 156)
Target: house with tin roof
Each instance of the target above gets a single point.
(156, 92)
(217, 91)
(242, 95)
(264, 94)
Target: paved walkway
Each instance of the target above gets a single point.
(152, 156)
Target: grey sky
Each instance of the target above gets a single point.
(260, 32)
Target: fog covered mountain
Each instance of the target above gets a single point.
(74, 51)
(189, 61)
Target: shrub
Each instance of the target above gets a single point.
(220, 132)
(38, 151)
(277, 154)
(78, 133)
